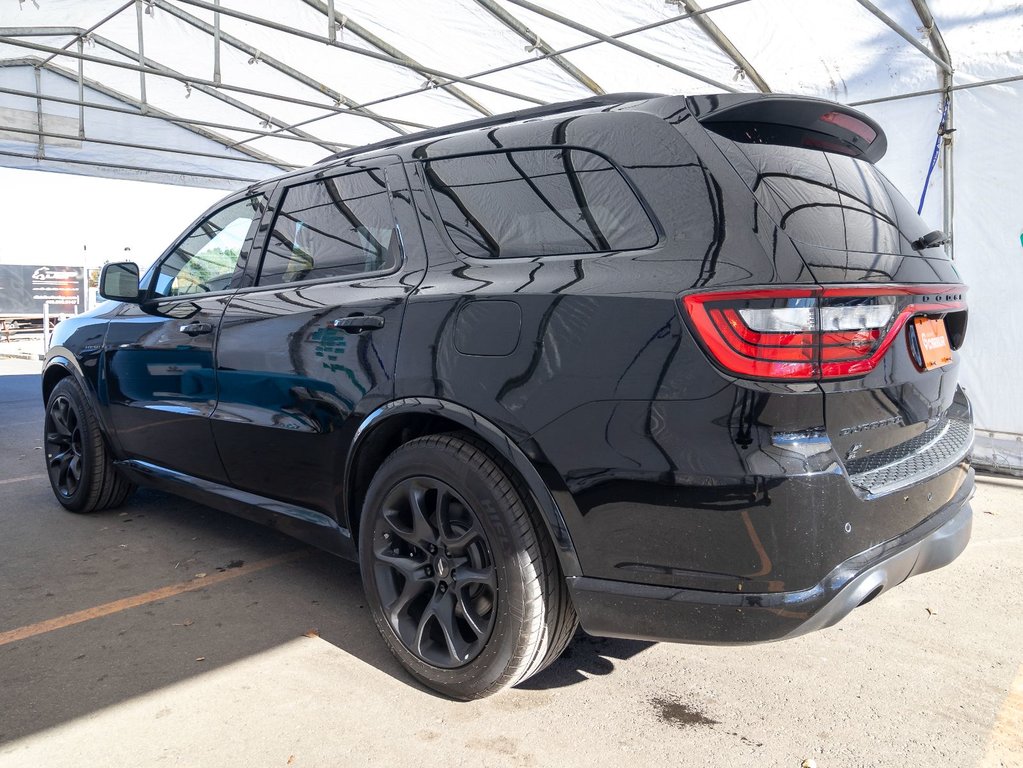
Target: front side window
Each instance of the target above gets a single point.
(537, 202)
(333, 227)
(207, 258)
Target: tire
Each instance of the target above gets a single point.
(78, 464)
(462, 579)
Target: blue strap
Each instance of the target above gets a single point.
(934, 155)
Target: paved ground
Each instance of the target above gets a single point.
(114, 651)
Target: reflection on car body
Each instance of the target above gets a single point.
(645, 363)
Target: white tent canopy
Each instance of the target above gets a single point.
(220, 92)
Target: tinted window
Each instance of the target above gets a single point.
(206, 259)
(827, 200)
(332, 228)
(537, 203)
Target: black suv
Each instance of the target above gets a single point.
(672, 368)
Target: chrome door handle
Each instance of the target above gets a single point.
(359, 323)
(196, 329)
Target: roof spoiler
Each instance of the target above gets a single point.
(794, 121)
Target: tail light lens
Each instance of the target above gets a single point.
(810, 333)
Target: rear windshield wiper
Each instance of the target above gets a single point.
(931, 239)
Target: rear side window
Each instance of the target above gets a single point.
(333, 227)
(537, 202)
(824, 199)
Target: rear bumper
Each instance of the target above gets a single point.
(642, 611)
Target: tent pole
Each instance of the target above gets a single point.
(935, 91)
(141, 55)
(206, 86)
(157, 68)
(382, 45)
(331, 23)
(571, 24)
(948, 88)
(527, 34)
(171, 118)
(40, 147)
(93, 28)
(895, 27)
(40, 134)
(532, 60)
(300, 33)
(124, 167)
(272, 62)
(713, 31)
(81, 90)
(216, 44)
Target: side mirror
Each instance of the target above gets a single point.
(120, 281)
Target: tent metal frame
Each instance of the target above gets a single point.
(386, 52)
(713, 31)
(537, 43)
(543, 56)
(197, 127)
(350, 24)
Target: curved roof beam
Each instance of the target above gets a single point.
(944, 64)
(430, 72)
(253, 155)
(202, 84)
(713, 31)
(619, 44)
(532, 60)
(380, 44)
(94, 27)
(274, 63)
(537, 43)
(153, 112)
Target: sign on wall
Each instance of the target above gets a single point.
(25, 289)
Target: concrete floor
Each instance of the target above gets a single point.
(114, 651)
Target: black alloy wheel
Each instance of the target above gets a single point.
(435, 574)
(63, 446)
(459, 571)
(80, 468)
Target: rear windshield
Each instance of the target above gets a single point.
(828, 200)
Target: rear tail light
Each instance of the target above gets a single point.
(810, 333)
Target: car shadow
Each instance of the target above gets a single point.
(65, 564)
(586, 656)
(157, 541)
(54, 565)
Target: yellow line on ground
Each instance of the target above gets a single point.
(22, 633)
(1005, 746)
(20, 479)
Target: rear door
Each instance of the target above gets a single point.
(157, 367)
(309, 349)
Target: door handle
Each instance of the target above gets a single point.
(359, 323)
(196, 329)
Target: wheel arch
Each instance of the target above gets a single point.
(399, 421)
(58, 367)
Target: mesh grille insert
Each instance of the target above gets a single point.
(939, 447)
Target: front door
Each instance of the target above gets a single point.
(309, 350)
(158, 365)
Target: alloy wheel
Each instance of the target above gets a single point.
(435, 573)
(64, 446)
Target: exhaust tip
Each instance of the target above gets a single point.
(873, 593)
